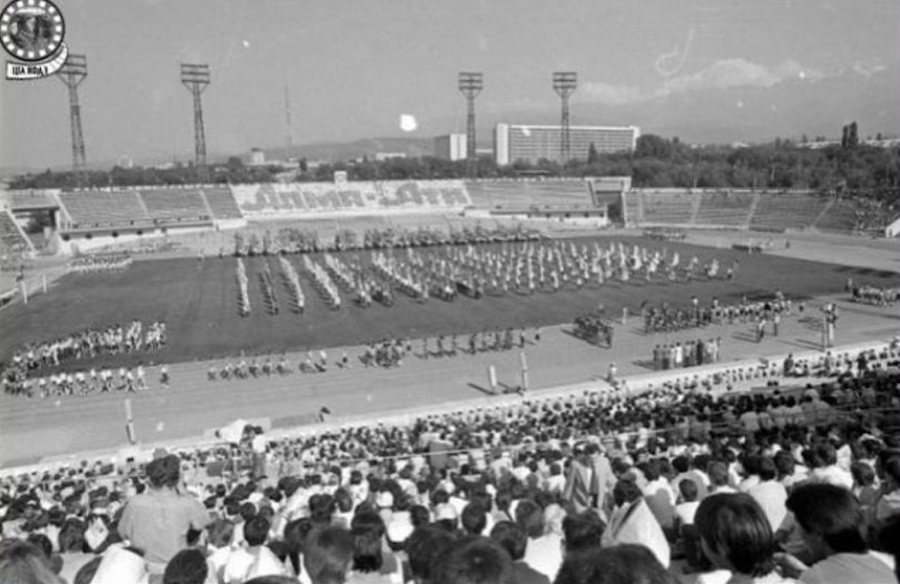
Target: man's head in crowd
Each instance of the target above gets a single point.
(328, 554)
(424, 547)
(475, 560)
(164, 472)
(187, 567)
(621, 564)
(830, 518)
(582, 531)
(367, 529)
(735, 534)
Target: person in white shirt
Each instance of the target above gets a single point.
(769, 493)
(687, 508)
(219, 547)
(256, 559)
(831, 522)
(829, 472)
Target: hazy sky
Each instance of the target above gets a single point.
(353, 66)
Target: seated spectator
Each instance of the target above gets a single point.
(186, 567)
(736, 536)
(23, 562)
(474, 519)
(544, 550)
(515, 541)
(423, 548)
(686, 510)
(256, 559)
(328, 554)
(633, 522)
(829, 472)
(475, 560)
(769, 493)
(718, 478)
(888, 501)
(371, 561)
(864, 484)
(158, 520)
(831, 522)
(218, 544)
(120, 565)
(659, 496)
(789, 473)
(621, 564)
(582, 531)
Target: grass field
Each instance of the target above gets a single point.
(198, 302)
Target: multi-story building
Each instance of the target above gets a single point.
(450, 147)
(532, 143)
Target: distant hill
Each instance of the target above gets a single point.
(336, 151)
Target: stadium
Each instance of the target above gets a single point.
(587, 362)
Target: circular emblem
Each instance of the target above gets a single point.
(32, 30)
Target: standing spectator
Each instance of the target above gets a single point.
(158, 520)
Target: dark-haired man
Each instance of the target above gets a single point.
(831, 521)
(158, 520)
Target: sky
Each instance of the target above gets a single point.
(353, 67)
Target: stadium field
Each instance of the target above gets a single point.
(198, 301)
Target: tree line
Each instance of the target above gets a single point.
(656, 162)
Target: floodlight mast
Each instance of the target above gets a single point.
(72, 73)
(196, 78)
(564, 84)
(470, 85)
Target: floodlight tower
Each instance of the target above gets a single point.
(289, 132)
(196, 79)
(470, 85)
(72, 73)
(564, 83)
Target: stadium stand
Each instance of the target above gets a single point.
(520, 193)
(101, 209)
(175, 205)
(23, 201)
(221, 203)
(306, 199)
(668, 206)
(727, 208)
(11, 234)
(430, 194)
(781, 211)
(839, 216)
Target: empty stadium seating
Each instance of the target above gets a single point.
(32, 200)
(841, 216)
(175, 205)
(667, 206)
(780, 211)
(102, 209)
(12, 237)
(632, 209)
(492, 194)
(221, 203)
(413, 194)
(731, 209)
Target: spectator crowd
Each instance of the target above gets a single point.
(792, 482)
